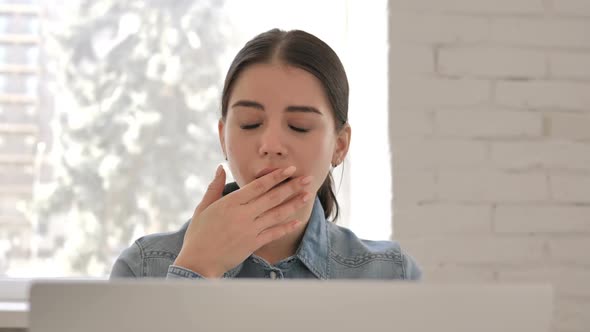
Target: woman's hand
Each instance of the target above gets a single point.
(224, 231)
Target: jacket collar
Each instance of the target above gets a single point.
(315, 244)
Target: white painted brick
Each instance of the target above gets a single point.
(569, 126)
(489, 186)
(570, 65)
(566, 280)
(457, 274)
(424, 92)
(542, 219)
(570, 250)
(572, 314)
(570, 188)
(572, 7)
(561, 155)
(413, 186)
(472, 6)
(488, 123)
(411, 59)
(527, 54)
(539, 94)
(438, 154)
(436, 29)
(492, 62)
(411, 123)
(540, 32)
(479, 250)
(433, 219)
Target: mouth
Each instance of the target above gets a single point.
(270, 170)
(264, 172)
(280, 183)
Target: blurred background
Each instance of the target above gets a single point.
(109, 110)
(471, 130)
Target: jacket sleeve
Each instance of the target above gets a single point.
(179, 272)
(412, 270)
(128, 265)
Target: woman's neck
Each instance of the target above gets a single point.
(287, 246)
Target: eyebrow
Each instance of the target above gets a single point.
(292, 108)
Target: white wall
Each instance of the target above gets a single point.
(490, 132)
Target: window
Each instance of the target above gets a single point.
(108, 95)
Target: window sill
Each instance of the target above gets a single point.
(14, 315)
(14, 302)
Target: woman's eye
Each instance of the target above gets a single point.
(250, 126)
(256, 125)
(300, 130)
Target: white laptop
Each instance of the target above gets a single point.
(287, 306)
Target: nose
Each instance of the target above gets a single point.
(271, 142)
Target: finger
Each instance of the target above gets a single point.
(282, 213)
(214, 190)
(276, 232)
(279, 194)
(260, 186)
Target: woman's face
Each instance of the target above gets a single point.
(277, 116)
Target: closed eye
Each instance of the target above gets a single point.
(256, 125)
(300, 130)
(251, 126)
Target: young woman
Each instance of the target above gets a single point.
(283, 127)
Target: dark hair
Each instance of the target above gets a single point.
(305, 51)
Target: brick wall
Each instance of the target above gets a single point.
(490, 133)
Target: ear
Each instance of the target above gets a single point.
(220, 130)
(342, 145)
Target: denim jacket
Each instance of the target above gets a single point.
(326, 251)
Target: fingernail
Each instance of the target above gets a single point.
(218, 172)
(289, 170)
(307, 179)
